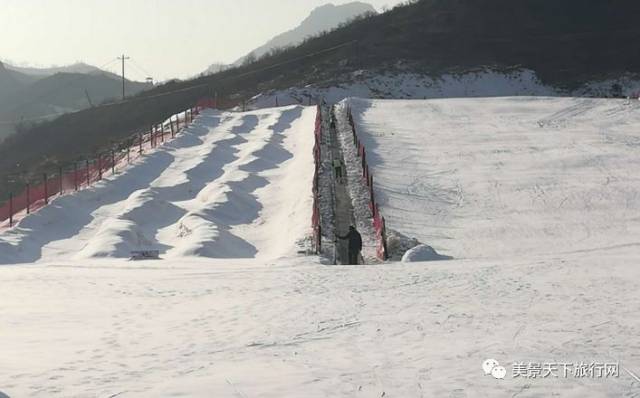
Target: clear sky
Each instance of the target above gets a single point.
(164, 38)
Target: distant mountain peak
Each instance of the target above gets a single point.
(77, 67)
(356, 7)
(325, 17)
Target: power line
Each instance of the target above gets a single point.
(140, 68)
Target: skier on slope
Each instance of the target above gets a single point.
(355, 244)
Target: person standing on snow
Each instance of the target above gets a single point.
(355, 244)
(337, 167)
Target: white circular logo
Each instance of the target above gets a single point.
(499, 372)
(488, 366)
(493, 368)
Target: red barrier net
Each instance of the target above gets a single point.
(86, 173)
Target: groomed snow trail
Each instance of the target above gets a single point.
(225, 188)
(507, 177)
(355, 186)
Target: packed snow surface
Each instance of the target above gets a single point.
(507, 177)
(294, 328)
(535, 198)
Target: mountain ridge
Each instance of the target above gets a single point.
(322, 18)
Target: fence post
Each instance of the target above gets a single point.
(162, 133)
(75, 175)
(128, 154)
(10, 209)
(173, 134)
(99, 167)
(46, 189)
(140, 148)
(88, 173)
(384, 239)
(113, 161)
(60, 187)
(28, 198)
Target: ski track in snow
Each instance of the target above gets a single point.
(357, 188)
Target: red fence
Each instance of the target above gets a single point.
(379, 222)
(315, 218)
(84, 174)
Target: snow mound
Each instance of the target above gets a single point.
(423, 253)
(232, 185)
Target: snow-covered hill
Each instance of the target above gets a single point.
(535, 198)
(223, 189)
(507, 177)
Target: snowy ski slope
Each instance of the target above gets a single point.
(507, 177)
(535, 198)
(229, 187)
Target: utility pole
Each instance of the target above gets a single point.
(123, 58)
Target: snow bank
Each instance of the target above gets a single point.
(422, 253)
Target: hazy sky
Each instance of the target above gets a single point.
(165, 38)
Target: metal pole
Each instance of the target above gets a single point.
(60, 179)
(99, 167)
(75, 175)
(113, 162)
(28, 198)
(46, 189)
(123, 58)
(10, 209)
(140, 149)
